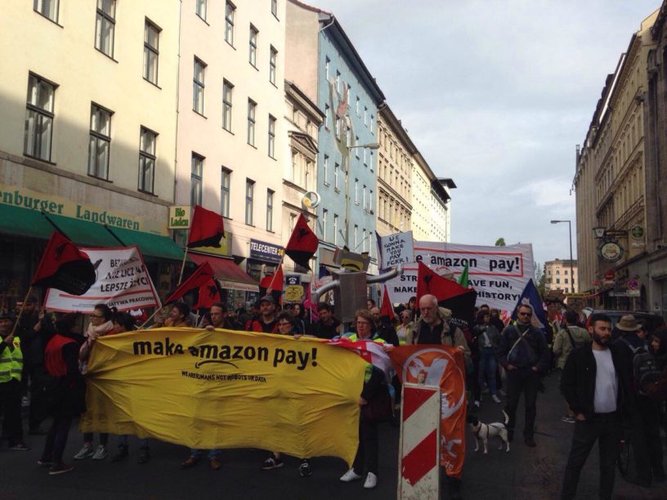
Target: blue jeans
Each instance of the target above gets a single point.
(197, 453)
(488, 365)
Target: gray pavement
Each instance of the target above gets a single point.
(524, 473)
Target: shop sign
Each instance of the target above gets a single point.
(266, 252)
(179, 217)
(294, 292)
(42, 202)
(637, 232)
(611, 251)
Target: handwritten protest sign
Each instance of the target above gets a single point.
(396, 249)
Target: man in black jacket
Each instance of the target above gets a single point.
(593, 387)
(523, 352)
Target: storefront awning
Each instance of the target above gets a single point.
(24, 222)
(229, 274)
(152, 245)
(84, 233)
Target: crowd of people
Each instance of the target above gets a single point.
(43, 358)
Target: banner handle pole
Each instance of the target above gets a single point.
(185, 256)
(151, 317)
(18, 318)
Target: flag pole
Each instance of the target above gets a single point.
(18, 318)
(275, 273)
(152, 316)
(185, 256)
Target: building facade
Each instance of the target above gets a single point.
(88, 130)
(231, 138)
(323, 62)
(395, 166)
(561, 276)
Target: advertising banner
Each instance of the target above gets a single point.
(498, 274)
(122, 282)
(223, 389)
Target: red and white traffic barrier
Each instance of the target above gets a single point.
(419, 452)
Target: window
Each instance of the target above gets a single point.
(357, 107)
(227, 90)
(147, 143)
(47, 8)
(229, 23)
(327, 112)
(363, 197)
(565, 272)
(558, 281)
(249, 196)
(565, 281)
(269, 210)
(196, 175)
(272, 136)
(198, 87)
(370, 200)
(292, 222)
(336, 175)
(225, 185)
(365, 116)
(356, 238)
(39, 118)
(201, 9)
(363, 240)
(252, 48)
(335, 229)
(327, 65)
(100, 142)
(356, 191)
(370, 125)
(273, 58)
(325, 217)
(325, 170)
(105, 25)
(252, 107)
(151, 51)
(356, 150)
(274, 7)
(365, 156)
(338, 81)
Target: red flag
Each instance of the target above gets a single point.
(387, 309)
(202, 276)
(206, 230)
(442, 366)
(272, 282)
(459, 299)
(209, 294)
(65, 267)
(303, 243)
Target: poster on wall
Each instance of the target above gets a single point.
(498, 274)
(122, 282)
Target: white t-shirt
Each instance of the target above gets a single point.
(606, 384)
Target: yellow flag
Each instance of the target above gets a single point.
(225, 389)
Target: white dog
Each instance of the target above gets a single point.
(484, 431)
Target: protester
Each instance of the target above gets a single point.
(266, 322)
(66, 392)
(100, 325)
(569, 338)
(302, 322)
(523, 354)
(327, 325)
(433, 327)
(122, 323)
(218, 321)
(11, 368)
(366, 458)
(642, 412)
(383, 327)
(488, 340)
(287, 325)
(590, 384)
(405, 329)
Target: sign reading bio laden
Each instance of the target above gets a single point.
(122, 282)
(498, 274)
(223, 389)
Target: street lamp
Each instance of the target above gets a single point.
(374, 145)
(569, 225)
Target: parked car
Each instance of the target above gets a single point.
(650, 321)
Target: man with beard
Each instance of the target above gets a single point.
(266, 322)
(591, 386)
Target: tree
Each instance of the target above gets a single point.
(541, 278)
(500, 242)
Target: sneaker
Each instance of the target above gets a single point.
(350, 476)
(100, 452)
(60, 468)
(502, 392)
(19, 447)
(568, 419)
(43, 462)
(495, 398)
(144, 456)
(272, 463)
(476, 403)
(215, 463)
(304, 469)
(85, 452)
(191, 461)
(120, 455)
(371, 481)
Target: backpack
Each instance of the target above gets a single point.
(645, 371)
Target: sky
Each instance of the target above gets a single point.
(496, 95)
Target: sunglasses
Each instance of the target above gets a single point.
(525, 314)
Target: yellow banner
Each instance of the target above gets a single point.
(225, 389)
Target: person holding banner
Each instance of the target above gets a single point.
(524, 354)
(266, 322)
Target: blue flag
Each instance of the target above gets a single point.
(531, 297)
